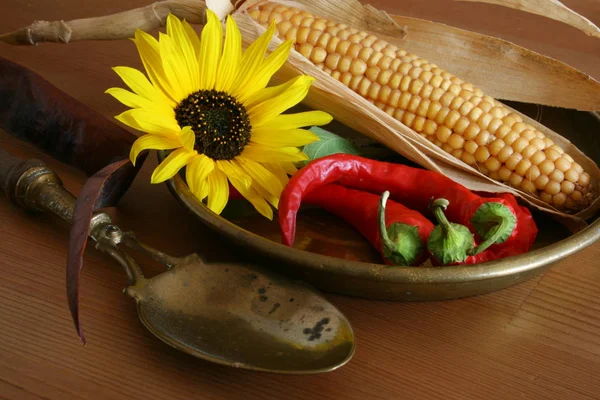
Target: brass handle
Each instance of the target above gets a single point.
(32, 185)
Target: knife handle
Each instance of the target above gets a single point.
(33, 186)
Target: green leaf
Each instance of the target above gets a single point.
(329, 144)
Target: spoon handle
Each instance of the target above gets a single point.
(33, 186)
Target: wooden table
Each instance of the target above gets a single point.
(540, 339)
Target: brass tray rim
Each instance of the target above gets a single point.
(510, 266)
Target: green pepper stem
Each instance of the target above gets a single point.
(438, 206)
(494, 222)
(385, 238)
(448, 242)
(406, 244)
(496, 233)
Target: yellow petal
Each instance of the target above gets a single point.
(188, 139)
(268, 109)
(171, 165)
(151, 142)
(135, 101)
(252, 195)
(262, 192)
(148, 121)
(261, 175)
(128, 98)
(175, 67)
(278, 171)
(196, 175)
(211, 44)
(297, 120)
(148, 48)
(176, 30)
(229, 64)
(218, 191)
(192, 37)
(202, 190)
(140, 85)
(234, 173)
(274, 137)
(289, 168)
(258, 201)
(136, 81)
(261, 153)
(251, 60)
(266, 70)
(269, 92)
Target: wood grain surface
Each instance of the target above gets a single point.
(537, 340)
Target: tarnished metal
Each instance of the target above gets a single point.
(40, 189)
(243, 316)
(239, 315)
(234, 314)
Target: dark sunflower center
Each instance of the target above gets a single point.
(219, 121)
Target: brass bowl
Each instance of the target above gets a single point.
(331, 256)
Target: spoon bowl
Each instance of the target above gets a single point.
(243, 316)
(234, 314)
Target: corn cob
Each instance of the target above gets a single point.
(452, 114)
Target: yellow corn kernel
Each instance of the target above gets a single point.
(449, 112)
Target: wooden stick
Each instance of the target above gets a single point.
(109, 27)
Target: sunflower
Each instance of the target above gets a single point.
(207, 101)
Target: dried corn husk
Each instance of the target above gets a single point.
(354, 111)
(518, 73)
(552, 9)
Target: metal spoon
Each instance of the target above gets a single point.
(239, 315)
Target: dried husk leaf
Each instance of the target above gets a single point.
(501, 69)
(552, 9)
(357, 113)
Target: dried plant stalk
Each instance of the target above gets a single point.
(109, 27)
(552, 9)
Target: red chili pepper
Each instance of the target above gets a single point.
(406, 230)
(396, 231)
(415, 188)
(525, 221)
